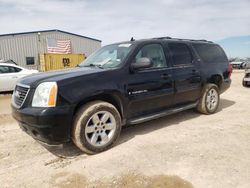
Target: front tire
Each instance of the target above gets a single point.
(96, 127)
(210, 99)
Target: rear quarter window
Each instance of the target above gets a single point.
(211, 53)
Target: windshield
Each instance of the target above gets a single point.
(108, 57)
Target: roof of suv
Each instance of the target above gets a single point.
(167, 39)
(186, 40)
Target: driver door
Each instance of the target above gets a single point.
(150, 90)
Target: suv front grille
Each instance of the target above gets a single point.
(20, 95)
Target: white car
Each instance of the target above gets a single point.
(9, 74)
(238, 64)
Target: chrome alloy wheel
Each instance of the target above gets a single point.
(212, 99)
(100, 128)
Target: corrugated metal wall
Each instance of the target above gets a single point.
(18, 47)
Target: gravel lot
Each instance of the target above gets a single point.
(5, 104)
(182, 150)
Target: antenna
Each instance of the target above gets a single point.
(132, 39)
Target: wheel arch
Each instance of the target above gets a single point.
(113, 98)
(216, 79)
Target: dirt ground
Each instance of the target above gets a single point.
(182, 150)
(5, 104)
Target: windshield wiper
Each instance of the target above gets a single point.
(93, 65)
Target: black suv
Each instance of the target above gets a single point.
(124, 83)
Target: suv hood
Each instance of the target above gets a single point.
(57, 76)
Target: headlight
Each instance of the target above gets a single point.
(45, 95)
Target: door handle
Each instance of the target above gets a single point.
(166, 76)
(14, 77)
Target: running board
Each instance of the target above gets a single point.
(162, 114)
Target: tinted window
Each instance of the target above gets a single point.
(153, 52)
(17, 69)
(8, 69)
(4, 69)
(180, 53)
(210, 53)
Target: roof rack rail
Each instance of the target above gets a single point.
(201, 40)
(167, 37)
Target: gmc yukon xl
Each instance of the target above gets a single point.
(120, 84)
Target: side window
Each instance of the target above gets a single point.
(17, 69)
(12, 69)
(8, 69)
(4, 69)
(180, 53)
(153, 52)
(210, 53)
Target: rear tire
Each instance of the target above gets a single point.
(96, 127)
(210, 99)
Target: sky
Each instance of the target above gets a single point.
(119, 20)
(236, 46)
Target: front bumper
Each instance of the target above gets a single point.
(225, 85)
(49, 125)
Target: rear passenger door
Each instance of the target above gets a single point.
(186, 73)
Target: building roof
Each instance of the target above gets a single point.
(52, 30)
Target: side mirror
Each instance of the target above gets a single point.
(141, 63)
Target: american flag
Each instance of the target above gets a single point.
(58, 46)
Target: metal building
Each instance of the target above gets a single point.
(25, 48)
